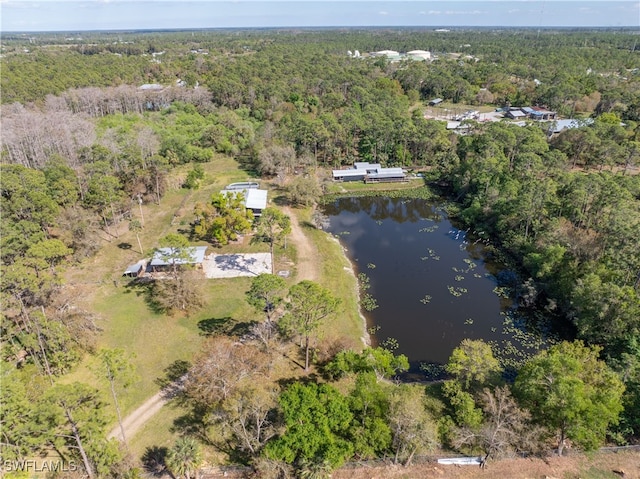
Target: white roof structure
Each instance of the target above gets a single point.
(133, 269)
(196, 256)
(151, 86)
(558, 125)
(370, 170)
(255, 199)
(419, 54)
(386, 53)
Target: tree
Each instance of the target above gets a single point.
(46, 253)
(369, 402)
(505, 428)
(382, 362)
(223, 219)
(463, 405)
(222, 366)
(304, 190)
(62, 181)
(272, 226)
(472, 363)
(175, 251)
(184, 458)
(317, 420)
(570, 391)
(118, 370)
(21, 435)
(74, 417)
(136, 227)
(309, 303)
(276, 160)
(266, 293)
(412, 427)
(183, 292)
(248, 413)
(104, 193)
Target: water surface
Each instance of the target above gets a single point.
(432, 281)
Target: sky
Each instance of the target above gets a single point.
(82, 15)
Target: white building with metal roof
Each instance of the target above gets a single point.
(369, 173)
(254, 199)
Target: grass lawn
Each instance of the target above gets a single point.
(346, 326)
(126, 321)
(157, 341)
(360, 187)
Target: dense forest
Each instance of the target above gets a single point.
(83, 145)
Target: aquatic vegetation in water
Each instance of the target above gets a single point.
(468, 321)
(426, 299)
(457, 291)
(459, 277)
(519, 345)
(367, 301)
(428, 229)
(433, 371)
(371, 266)
(390, 344)
(471, 265)
(432, 255)
(501, 291)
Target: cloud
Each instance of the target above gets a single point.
(463, 12)
(382, 12)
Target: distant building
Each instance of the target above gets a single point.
(151, 87)
(537, 113)
(390, 55)
(369, 173)
(420, 55)
(435, 101)
(557, 126)
(515, 114)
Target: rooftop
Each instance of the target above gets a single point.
(161, 255)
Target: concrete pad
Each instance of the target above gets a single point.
(233, 265)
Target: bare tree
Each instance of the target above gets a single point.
(221, 367)
(505, 429)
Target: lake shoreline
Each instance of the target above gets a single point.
(365, 337)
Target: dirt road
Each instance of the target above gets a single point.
(308, 261)
(134, 421)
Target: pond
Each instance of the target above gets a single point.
(433, 282)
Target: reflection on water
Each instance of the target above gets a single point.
(432, 281)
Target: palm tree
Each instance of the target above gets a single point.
(184, 458)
